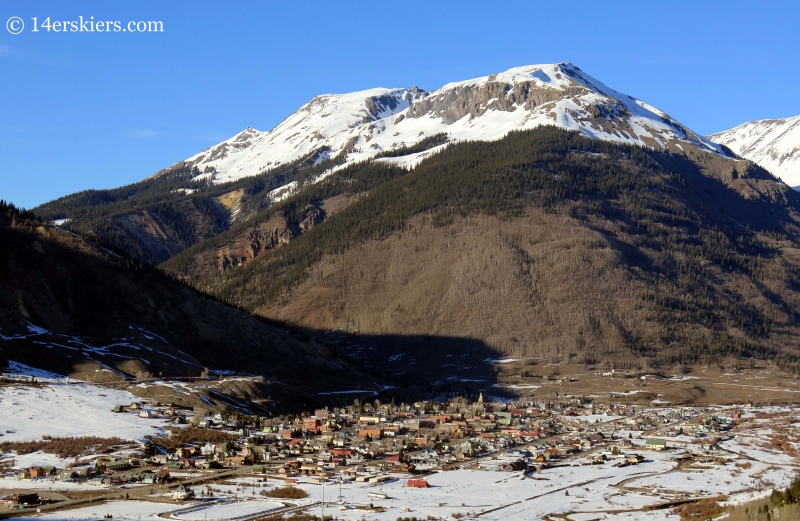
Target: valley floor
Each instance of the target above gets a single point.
(757, 455)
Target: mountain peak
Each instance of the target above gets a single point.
(554, 75)
(359, 125)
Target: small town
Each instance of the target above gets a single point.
(352, 461)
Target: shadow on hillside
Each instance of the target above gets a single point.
(400, 367)
(717, 195)
(717, 191)
(421, 365)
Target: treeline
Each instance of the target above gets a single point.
(468, 177)
(91, 205)
(421, 146)
(12, 211)
(542, 168)
(185, 222)
(357, 178)
(782, 504)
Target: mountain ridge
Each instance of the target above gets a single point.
(229, 183)
(772, 143)
(367, 123)
(70, 305)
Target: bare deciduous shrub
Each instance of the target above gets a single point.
(179, 437)
(285, 493)
(66, 447)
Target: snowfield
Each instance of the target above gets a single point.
(61, 407)
(121, 510)
(228, 510)
(714, 479)
(773, 144)
(50, 485)
(501, 495)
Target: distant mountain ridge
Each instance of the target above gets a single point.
(360, 125)
(773, 144)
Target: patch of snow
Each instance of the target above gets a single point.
(501, 360)
(227, 510)
(62, 408)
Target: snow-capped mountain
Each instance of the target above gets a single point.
(362, 124)
(772, 143)
(327, 124)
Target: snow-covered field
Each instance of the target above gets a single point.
(121, 510)
(752, 446)
(228, 510)
(497, 495)
(656, 515)
(74, 409)
(23, 461)
(494, 495)
(592, 418)
(58, 406)
(43, 484)
(713, 479)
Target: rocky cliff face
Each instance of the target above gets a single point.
(379, 107)
(266, 237)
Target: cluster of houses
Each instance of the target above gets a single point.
(426, 436)
(51, 471)
(106, 471)
(373, 441)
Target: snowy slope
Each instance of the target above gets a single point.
(327, 122)
(772, 143)
(63, 407)
(488, 108)
(362, 124)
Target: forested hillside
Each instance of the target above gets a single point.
(544, 244)
(156, 218)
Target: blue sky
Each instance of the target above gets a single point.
(98, 110)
